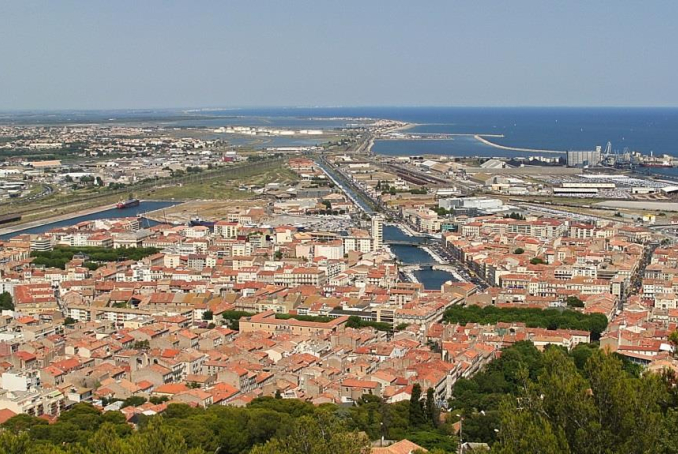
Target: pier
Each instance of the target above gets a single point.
(434, 136)
(481, 138)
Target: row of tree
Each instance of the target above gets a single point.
(532, 317)
(59, 256)
(356, 322)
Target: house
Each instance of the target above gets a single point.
(399, 447)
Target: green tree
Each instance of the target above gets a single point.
(322, 434)
(6, 302)
(417, 416)
(519, 251)
(207, 315)
(106, 440)
(133, 401)
(573, 301)
(22, 422)
(158, 438)
(524, 432)
(673, 339)
(432, 412)
(600, 409)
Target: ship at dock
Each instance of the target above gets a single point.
(130, 203)
(656, 164)
(199, 222)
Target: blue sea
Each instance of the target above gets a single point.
(560, 129)
(551, 128)
(648, 130)
(637, 129)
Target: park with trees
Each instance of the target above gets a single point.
(532, 317)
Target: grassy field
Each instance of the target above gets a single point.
(217, 190)
(222, 189)
(225, 188)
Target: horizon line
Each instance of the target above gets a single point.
(376, 106)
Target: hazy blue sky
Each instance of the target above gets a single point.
(146, 53)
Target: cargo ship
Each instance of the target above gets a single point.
(199, 222)
(127, 204)
(655, 164)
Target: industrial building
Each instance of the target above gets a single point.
(582, 158)
(589, 185)
(481, 203)
(561, 191)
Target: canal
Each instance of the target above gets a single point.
(344, 185)
(113, 213)
(414, 255)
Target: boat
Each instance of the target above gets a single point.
(199, 222)
(127, 204)
(655, 164)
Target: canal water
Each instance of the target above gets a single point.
(113, 213)
(414, 255)
(407, 254)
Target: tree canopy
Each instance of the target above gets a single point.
(266, 426)
(58, 257)
(533, 318)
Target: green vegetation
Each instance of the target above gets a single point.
(6, 302)
(304, 318)
(232, 318)
(600, 408)
(265, 426)
(70, 201)
(225, 188)
(356, 322)
(440, 211)
(524, 389)
(208, 315)
(519, 251)
(533, 318)
(536, 261)
(207, 190)
(573, 301)
(141, 345)
(58, 257)
(516, 216)
(584, 401)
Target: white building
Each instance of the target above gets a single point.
(377, 232)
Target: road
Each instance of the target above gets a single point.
(466, 274)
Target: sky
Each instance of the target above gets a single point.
(131, 54)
